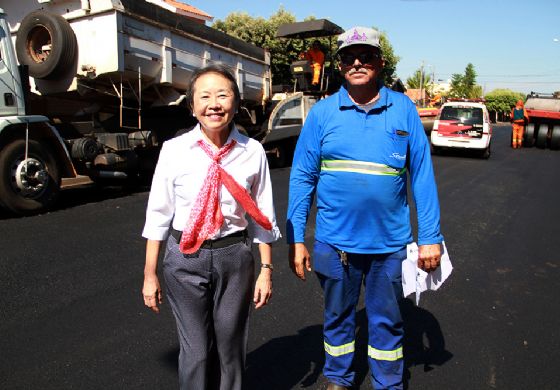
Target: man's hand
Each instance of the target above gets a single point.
(299, 259)
(429, 257)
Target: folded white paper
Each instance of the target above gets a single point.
(417, 280)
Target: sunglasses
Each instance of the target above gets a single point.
(367, 57)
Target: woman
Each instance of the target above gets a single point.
(205, 183)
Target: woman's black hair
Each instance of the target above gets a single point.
(220, 69)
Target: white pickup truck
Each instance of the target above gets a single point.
(91, 89)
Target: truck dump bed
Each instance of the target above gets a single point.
(120, 40)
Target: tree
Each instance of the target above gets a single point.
(502, 101)
(464, 85)
(262, 33)
(417, 81)
(390, 59)
(469, 81)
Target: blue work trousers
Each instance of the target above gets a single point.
(381, 275)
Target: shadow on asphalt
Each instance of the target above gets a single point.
(296, 361)
(283, 362)
(90, 193)
(424, 343)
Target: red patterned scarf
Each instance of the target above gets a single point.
(206, 215)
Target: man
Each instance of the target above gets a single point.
(519, 118)
(316, 59)
(354, 153)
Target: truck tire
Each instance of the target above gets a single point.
(281, 153)
(555, 138)
(529, 135)
(542, 135)
(28, 186)
(278, 156)
(46, 43)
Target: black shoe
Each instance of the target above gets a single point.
(334, 386)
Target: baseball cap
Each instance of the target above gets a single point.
(358, 36)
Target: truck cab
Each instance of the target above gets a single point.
(29, 174)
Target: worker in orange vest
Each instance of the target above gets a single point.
(316, 59)
(519, 119)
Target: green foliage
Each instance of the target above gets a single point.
(464, 85)
(477, 92)
(262, 32)
(390, 58)
(502, 100)
(417, 80)
(469, 79)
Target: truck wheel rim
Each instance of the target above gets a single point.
(39, 44)
(31, 177)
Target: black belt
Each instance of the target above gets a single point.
(221, 242)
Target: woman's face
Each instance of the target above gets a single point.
(213, 102)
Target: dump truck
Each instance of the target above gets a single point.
(91, 89)
(543, 128)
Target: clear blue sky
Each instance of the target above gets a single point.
(512, 44)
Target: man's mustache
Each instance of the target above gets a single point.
(357, 70)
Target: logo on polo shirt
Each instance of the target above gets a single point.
(398, 156)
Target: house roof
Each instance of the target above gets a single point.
(414, 94)
(189, 10)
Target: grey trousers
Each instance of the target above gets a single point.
(210, 295)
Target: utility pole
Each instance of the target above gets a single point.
(422, 84)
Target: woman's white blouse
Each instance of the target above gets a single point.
(180, 173)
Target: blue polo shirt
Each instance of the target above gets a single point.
(357, 164)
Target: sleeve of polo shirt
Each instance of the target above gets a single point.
(262, 193)
(304, 177)
(423, 182)
(161, 202)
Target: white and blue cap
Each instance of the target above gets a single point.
(358, 36)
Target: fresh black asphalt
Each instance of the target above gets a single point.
(72, 315)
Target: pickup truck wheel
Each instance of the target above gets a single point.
(28, 186)
(46, 43)
(529, 135)
(485, 154)
(555, 138)
(542, 134)
(435, 150)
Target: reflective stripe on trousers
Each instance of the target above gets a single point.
(385, 355)
(339, 350)
(364, 167)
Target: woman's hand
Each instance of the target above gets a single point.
(263, 288)
(152, 293)
(152, 290)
